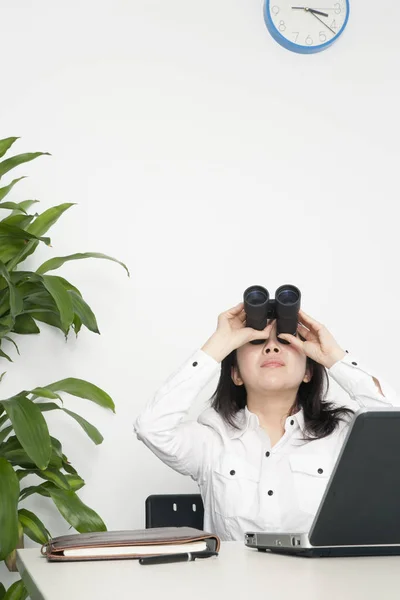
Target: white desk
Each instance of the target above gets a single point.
(238, 572)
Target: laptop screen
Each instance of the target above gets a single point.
(361, 505)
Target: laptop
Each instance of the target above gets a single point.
(359, 514)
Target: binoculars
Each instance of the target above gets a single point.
(259, 308)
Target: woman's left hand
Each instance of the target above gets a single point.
(319, 344)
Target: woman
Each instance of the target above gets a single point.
(263, 452)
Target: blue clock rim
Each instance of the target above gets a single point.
(278, 37)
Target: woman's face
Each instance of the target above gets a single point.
(270, 366)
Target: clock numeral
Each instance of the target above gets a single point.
(275, 10)
(282, 26)
(333, 25)
(338, 8)
(296, 33)
(322, 36)
(309, 40)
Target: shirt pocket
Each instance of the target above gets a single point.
(235, 486)
(310, 474)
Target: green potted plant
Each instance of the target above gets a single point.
(29, 298)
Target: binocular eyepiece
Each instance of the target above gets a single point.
(259, 308)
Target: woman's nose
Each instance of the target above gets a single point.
(271, 344)
(271, 347)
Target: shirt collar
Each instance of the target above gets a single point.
(246, 420)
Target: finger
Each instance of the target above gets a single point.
(264, 333)
(235, 309)
(242, 316)
(269, 327)
(293, 340)
(309, 321)
(304, 332)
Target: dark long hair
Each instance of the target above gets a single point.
(321, 417)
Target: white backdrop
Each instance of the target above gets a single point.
(209, 159)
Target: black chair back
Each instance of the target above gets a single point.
(174, 510)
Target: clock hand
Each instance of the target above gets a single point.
(323, 22)
(312, 10)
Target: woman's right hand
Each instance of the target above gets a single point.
(231, 333)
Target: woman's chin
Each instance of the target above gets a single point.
(273, 382)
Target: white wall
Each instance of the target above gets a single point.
(208, 159)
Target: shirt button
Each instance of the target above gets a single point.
(267, 454)
(354, 363)
(292, 422)
(195, 364)
(270, 492)
(232, 472)
(320, 471)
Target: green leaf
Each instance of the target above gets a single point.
(19, 159)
(17, 591)
(75, 481)
(33, 526)
(5, 432)
(55, 476)
(11, 206)
(84, 312)
(4, 300)
(11, 342)
(25, 325)
(49, 318)
(57, 448)
(6, 189)
(2, 591)
(35, 489)
(16, 455)
(55, 263)
(75, 512)
(19, 457)
(30, 428)
(17, 207)
(47, 219)
(67, 466)
(40, 392)
(16, 233)
(6, 144)
(9, 248)
(77, 325)
(18, 220)
(40, 302)
(22, 473)
(9, 487)
(90, 429)
(82, 389)
(27, 281)
(4, 355)
(12, 446)
(6, 324)
(62, 299)
(16, 304)
(4, 418)
(18, 254)
(68, 286)
(25, 204)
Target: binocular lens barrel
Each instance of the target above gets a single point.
(285, 308)
(287, 297)
(256, 301)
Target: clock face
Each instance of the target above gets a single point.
(306, 28)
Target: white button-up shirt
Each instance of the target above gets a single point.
(245, 483)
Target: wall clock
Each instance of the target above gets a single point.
(306, 28)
